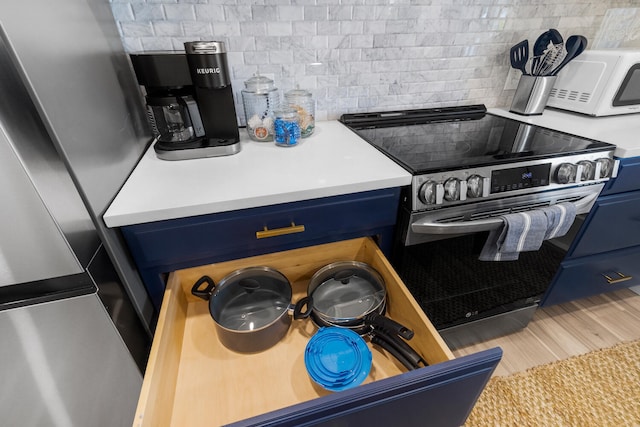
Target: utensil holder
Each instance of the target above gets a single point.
(532, 94)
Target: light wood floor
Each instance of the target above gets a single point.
(565, 330)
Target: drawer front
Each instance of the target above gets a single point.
(437, 396)
(628, 178)
(594, 275)
(612, 224)
(259, 230)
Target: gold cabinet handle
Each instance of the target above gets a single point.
(263, 234)
(616, 277)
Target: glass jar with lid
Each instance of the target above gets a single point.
(302, 101)
(260, 98)
(287, 127)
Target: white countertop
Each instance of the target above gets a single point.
(623, 131)
(332, 161)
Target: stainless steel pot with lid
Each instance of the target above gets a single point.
(250, 307)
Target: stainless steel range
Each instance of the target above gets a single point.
(470, 169)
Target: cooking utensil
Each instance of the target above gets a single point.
(519, 55)
(352, 295)
(575, 45)
(343, 292)
(385, 333)
(551, 36)
(250, 307)
(552, 56)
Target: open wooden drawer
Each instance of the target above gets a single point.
(192, 380)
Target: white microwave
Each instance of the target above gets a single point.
(599, 83)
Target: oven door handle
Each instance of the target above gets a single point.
(443, 228)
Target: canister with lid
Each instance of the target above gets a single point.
(260, 98)
(287, 127)
(302, 101)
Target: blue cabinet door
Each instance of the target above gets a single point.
(592, 275)
(441, 395)
(613, 223)
(628, 177)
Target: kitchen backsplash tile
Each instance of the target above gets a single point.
(357, 55)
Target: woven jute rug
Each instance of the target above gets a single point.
(601, 388)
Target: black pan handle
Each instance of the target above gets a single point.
(205, 293)
(402, 347)
(378, 340)
(303, 308)
(374, 319)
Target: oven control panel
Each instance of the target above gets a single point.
(436, 190)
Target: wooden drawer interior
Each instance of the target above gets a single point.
(191, 379)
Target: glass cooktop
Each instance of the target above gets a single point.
(431, 140)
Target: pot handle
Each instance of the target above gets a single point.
(379, 341)
(374, 319)
(304, 302)
(205, 293)
(401, 347)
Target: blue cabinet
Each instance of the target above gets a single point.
(628, 178)
(297, 239)
(614, 223)
(161, 247)
(605, 255)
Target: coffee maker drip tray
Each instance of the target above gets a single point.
(195, 149)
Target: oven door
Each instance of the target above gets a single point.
(469, 300)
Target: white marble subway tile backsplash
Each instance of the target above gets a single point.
(358, 55)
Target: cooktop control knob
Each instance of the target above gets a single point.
(427, 193)
(452, 189)
(566, 173)
(588, 170)
(604, 168)
(475, 186)
(463, 190)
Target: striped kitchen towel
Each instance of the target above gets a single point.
(522, 231)
(560, 217)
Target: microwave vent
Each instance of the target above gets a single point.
(570, 95)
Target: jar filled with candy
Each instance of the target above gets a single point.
(302, 101)
(287, 127)
(260, 99)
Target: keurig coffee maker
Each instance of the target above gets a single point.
(189, 101)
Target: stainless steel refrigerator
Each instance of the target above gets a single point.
(74, 315)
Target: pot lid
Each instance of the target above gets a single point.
(250, 299)
(349, 293)
(337, 358)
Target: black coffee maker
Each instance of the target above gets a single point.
(189, 101)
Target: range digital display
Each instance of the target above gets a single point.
(520, 178)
